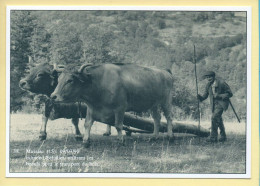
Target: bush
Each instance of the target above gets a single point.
(224, 42)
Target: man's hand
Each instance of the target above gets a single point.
(216, 96)
(224, 96)
(221, 96)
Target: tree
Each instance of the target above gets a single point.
(66, 45)
(40, 44)
(22, 25)
(97, 42)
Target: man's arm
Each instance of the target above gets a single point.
(226, 94)
(205, 94)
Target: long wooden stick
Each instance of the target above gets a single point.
(197, 90)
(234, 110)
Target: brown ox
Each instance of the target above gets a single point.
(43, 79)
(109, 90)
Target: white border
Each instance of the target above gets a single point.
(133, 175)
(249, 91)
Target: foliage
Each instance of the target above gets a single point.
(96, 48)
(66, 46)
(163, 39)
(22, 25)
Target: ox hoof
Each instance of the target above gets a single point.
(107, 134)
(128, 133)
(43, 136)
(86, 144)
(79, 138)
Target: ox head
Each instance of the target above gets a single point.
(71, 84)
(42, 79)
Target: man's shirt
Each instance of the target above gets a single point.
(219, 93)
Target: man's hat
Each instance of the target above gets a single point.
(208, 73)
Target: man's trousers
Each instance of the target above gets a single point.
(217, 122)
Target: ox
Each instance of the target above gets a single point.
(109, 90)
(43, 79)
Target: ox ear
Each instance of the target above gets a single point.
(58, 68)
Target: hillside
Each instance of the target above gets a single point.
(162, 39)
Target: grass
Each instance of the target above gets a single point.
(187, 154)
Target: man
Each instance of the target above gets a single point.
(219, 93)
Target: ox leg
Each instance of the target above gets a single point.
(119, 118)
(128, 133)
(108, 131)
(43, 133)
(88, 124)
(78, 135)
(168, 115)
(157, 118)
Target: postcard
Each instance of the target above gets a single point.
(128, 92)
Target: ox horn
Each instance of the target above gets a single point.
(58, 68)
(31, 61)
(84, 66)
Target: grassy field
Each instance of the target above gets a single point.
(62, 153)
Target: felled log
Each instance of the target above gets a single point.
(137, 124)
(146, 126)
(143, 125)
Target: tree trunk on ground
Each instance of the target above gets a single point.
(143, 125)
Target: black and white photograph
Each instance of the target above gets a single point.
(150, 92)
